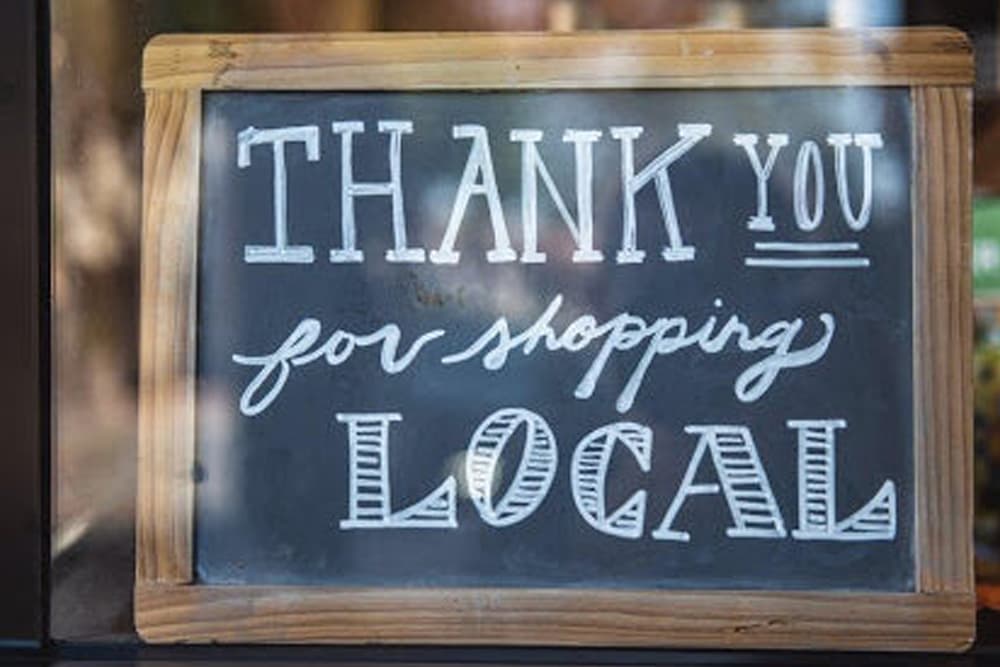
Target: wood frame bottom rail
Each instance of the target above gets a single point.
(555, 617)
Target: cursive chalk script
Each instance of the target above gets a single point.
(781, 342)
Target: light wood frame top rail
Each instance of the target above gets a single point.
(654, 59)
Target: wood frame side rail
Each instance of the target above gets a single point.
(936, 64)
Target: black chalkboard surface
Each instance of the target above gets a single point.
(744, 364)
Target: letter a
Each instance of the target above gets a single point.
(479, 162)
(743, 481)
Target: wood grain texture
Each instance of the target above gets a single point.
(942, 204)
(406, 61)
(565, 617)
(164, 512)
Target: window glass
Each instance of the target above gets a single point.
(97, 116)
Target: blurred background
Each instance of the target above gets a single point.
(97, 111)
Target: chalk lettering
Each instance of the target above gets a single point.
(532, 167)
(866, 142)
(675, 250)
(742, 480)
(280, 252)
(761, 220)
(478, 166)
(350, 189)
(369, 494)
(588, 474)
(535, 471)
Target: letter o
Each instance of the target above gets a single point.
(808, 160)
(534, 474)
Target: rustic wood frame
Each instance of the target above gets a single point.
(936, 64)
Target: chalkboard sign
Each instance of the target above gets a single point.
(528, 349)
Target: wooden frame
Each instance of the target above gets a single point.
(936, 64)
